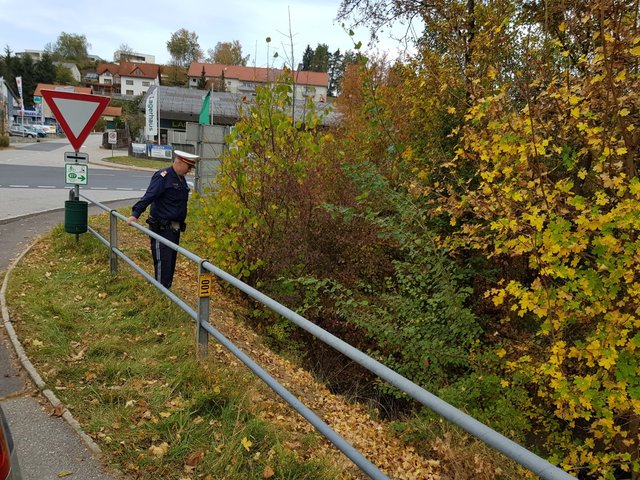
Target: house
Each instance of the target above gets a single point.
(125, 79)
(244, 80)
(36, 55)
(133, 57)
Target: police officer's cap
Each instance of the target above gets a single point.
(188, 158)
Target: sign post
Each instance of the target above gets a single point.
(113, 139)
(77, 114)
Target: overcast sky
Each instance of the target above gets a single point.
(147, 26)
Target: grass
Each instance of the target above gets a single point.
(121, 357)
(138, 162)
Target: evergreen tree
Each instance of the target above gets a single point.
(9, 68)
(29, 80)
(45, 70)
(320, 61)
(202, 81)
(307, 58)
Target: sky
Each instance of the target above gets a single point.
(147, 26)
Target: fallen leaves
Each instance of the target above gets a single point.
(194, 458)
(159, 451)
(268, 472)
(246, 443)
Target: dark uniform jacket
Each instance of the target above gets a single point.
(168, 194)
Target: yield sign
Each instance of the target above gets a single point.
(77, 113)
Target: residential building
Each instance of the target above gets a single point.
(125, 79)
(134, 57)
(36, 55)
(245, 80)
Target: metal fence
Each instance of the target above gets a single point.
(509, 448)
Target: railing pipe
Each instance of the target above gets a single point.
(524, 457)
(113, 239)
(508, 447)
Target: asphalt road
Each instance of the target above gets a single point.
(32, 177)
(48, 447)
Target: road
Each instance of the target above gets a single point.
(32, 177)
(33, 192)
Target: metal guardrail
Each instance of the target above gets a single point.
(508, 447)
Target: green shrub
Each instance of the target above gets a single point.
(4, 140)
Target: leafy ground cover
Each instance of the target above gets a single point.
(121, 358)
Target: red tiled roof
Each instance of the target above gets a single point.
(47, 86)
(254, 74)
(129, 69)
(112, 111)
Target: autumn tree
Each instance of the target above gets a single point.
(228, 53)
(184, 48)
(518, 134)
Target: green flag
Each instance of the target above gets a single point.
(205, 118)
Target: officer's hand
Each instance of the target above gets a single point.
(132, 219)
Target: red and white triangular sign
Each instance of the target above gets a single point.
(77, 113)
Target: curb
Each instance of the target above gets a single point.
(26, 363)
(105, 163)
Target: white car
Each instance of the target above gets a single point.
(25, 131)
(48, 129)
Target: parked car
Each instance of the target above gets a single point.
(25, 131)
(9, 468)
(42, 132)
(47, 128)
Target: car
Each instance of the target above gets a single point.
(42, 132)
(26, 131)
(22, 131)
(47, 128)
(9, 467)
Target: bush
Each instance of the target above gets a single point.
(4, 140)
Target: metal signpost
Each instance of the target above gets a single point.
(77, 114)
(113, 139)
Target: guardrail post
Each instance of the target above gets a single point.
(204, 295)
(113, 242)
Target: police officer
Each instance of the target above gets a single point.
(168, 194)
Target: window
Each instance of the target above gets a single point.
(129, 82)
(145, 84)
(129, 92)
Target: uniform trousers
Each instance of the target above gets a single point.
(164, 257)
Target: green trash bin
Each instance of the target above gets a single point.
(75, 216)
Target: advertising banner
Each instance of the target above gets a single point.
(151, 114)
(161, 151)
(140, 148)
